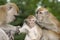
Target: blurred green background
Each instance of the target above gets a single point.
(27, 7)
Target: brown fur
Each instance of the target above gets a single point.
(4, 10)
(3, 14)
(54, 19)
(13, 5)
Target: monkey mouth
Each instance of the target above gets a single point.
(15, 18)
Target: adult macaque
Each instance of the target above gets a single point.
(33, 31)
(47, 20)
(7, 15)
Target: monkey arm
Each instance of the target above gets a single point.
(24, 28)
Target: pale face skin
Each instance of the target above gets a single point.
(31, 21)
(11, 14)
(41, 15)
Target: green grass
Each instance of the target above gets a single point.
(20, 37)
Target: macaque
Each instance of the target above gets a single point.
(7, 15)
(33, 31)
(47, 20)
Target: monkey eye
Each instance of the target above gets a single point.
(40, 12)
(10, 8)
(32, 20)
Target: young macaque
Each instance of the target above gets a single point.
(47, 20)
(33, 31)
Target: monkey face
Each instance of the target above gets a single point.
(31, 20)
(41, 14)
(11, 13)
